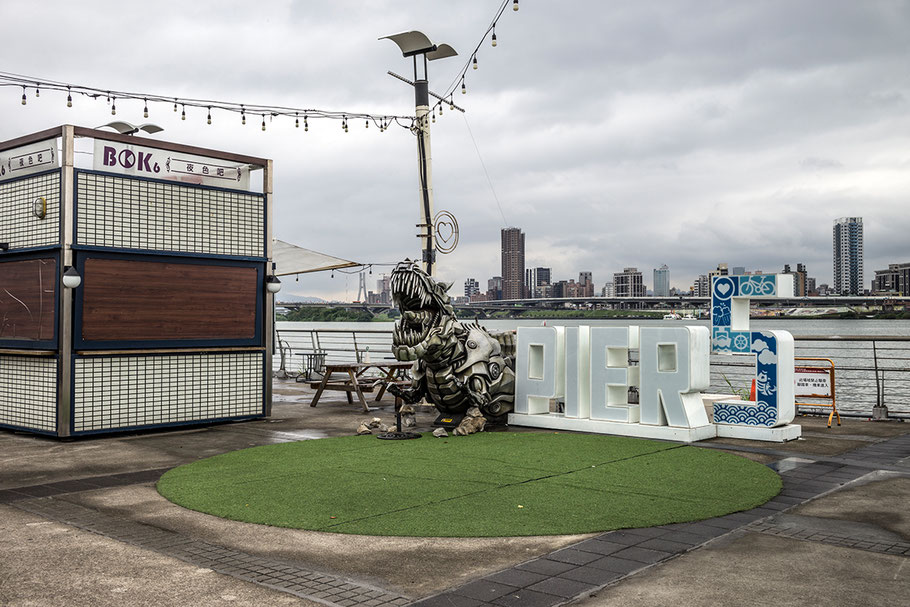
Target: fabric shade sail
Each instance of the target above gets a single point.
(291, 259)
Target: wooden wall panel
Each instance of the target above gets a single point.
(27, 299)
(129, 300)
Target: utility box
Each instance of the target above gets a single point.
(132, 285)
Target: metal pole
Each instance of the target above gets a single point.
(424, 168)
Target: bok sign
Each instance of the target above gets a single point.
(141, 161)
(588, 369)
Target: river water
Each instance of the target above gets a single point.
(854, 361)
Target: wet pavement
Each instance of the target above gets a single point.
(81, 523)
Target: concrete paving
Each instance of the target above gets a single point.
(81, 523)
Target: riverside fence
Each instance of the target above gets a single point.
(869, 369)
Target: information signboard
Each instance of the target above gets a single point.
(28, 159)
(812, 381)
(141, 161)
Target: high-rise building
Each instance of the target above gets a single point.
(537, 280)
(513, 263)
(384, 288)
(722, 270)
(896, 279)
(586, 282)
(471, 288)
(702, 286)
(608, 290)
(848, 256)
(494, 288)
(628, 283)
(800, 285)
(738, 270)
(662, 281)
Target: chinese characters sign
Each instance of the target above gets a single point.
(28, 159)
(140, 161)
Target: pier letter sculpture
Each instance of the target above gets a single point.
(773, 352)
(589, 370)
(458, 366)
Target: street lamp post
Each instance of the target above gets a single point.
(416, 45)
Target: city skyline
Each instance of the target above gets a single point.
(640, 134)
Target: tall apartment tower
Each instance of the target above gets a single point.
(848, 256)
(662, 281)
(513, 263)
(471, 288)
(628, 283)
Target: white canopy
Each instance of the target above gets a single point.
(291, 259)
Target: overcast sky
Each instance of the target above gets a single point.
(614, 133)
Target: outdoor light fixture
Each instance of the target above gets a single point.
(125, 128)
(272, 284)
(71, 278)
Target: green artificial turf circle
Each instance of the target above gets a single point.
(484, 485)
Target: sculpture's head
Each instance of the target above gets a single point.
(427, 316)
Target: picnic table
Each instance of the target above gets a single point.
(354, 379)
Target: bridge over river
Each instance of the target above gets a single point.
(676, 303)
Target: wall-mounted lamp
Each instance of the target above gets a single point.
(71, 278)
(272, 284)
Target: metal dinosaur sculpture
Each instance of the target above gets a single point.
(458, 365)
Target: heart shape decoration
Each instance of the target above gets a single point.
(723, 288)
(444, 231)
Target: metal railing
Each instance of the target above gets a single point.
(869, 369)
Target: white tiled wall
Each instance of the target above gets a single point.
(128, 391)
(127, 213)
(28, 392)
(19, 226)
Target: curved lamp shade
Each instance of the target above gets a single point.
(272, 284)
(71, 278)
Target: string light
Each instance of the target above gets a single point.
(463, 89)
(111, 95)
(263, 122)
(475, 62)
(515, 6)
(493, 39)
(210, 115)
(306, 127)
(451, 104)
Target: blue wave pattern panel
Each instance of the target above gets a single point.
(763, 412)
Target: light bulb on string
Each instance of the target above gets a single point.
(242, 117)
(24, 101)
(306, 127)
(37, 90)
(183, 112)
(451, 104)
(493, 39)
(69, 97)
(515, 5)
(175, 104)
(367, 121)
(296, 121)
(463, 89)
(440, 109)
(145, 111)
(434, 117)
(475, 62)
(209, 118)
(263, 122)
(114, 107)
